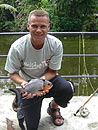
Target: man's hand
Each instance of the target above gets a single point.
(23, 84)
(39, 94)
(30, 95)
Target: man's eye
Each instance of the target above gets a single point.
(34, 26)
(43, 27)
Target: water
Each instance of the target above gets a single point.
(70, 65)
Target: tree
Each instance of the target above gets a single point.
(75, 15)
(65, 15)
(7, 17)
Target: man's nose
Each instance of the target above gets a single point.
(38, 29)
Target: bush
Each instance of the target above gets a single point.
(6, 26)
(6, 20)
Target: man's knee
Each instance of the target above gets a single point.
(65, 94)
(69, 88)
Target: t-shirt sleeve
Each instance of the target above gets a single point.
(56, 59)
(13, 62)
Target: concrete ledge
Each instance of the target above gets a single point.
(71, 122)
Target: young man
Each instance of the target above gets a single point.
(39, 55)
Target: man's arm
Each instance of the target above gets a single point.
(50, 74)
(17, 79)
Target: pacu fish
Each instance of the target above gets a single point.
(34, 86)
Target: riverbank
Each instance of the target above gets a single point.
(71, 122)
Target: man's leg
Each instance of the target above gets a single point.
(20, 118)
(62, 92)
(31, 109)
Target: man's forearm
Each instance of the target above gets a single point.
(50, 74)
(16, 78)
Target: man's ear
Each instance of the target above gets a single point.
(28, 26)
(49, 27)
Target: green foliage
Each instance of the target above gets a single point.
(69, 15)
(6, 20)
(9, 7)
(70, 25)
(74, 14)
(24, 8)
(6, 26)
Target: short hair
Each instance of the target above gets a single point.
(38, 13)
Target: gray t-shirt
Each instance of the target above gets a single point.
(24, 59)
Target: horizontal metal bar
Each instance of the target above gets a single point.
(80, 55)
(54, 33)
(4, 77)
(68, 55)
(80, 76)
(64, 76)
(13, 33)
(3, 56)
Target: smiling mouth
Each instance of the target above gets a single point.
(39, 35)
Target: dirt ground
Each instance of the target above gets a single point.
(71, 122)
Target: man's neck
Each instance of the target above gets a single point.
(38, 45)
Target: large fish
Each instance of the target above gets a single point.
(34, 86)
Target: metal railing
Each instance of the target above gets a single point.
(65, 55)
(53, 33)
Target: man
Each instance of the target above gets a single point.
(39, 55)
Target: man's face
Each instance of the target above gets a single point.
(38, 27)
